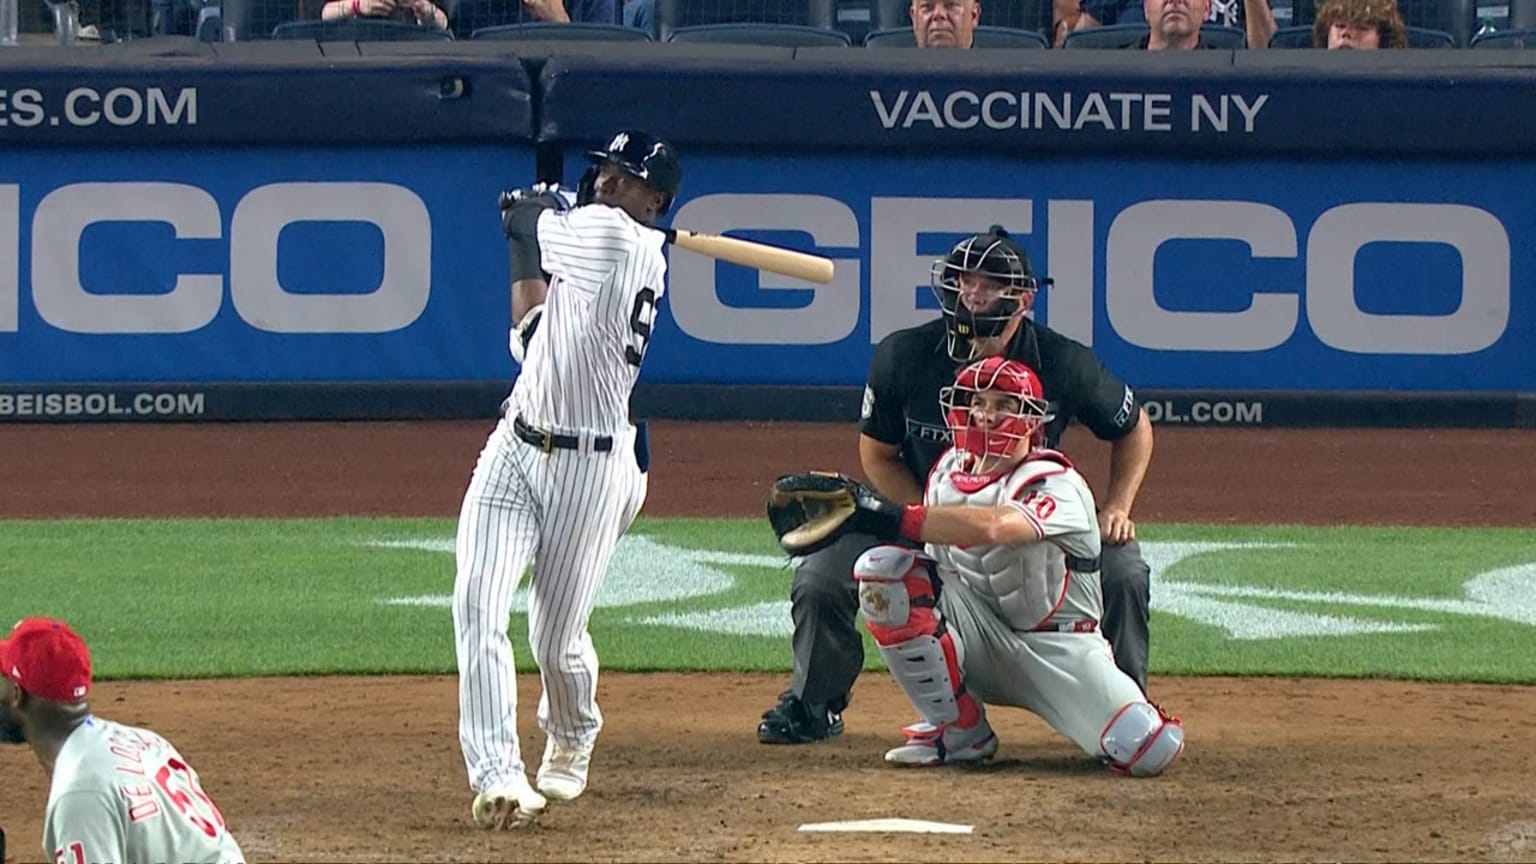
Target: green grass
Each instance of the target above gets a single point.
(202, 598)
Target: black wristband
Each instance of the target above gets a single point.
(877, 514)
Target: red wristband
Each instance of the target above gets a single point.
(357, 9)
(912, 517)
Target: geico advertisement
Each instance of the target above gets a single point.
(1199, 275)
(251, 265)
(369, 265)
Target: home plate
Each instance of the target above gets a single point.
(908, 826)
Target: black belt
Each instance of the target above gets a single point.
(548, 441)
(1082, 565)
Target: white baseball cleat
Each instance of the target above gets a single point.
(512, 806)
(563, 774)
(927, 745)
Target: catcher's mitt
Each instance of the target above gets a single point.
(811, 510)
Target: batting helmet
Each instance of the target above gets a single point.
(1020, 419)
(647, 157)
(996, 255)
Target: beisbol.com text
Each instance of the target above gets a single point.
(101, 404)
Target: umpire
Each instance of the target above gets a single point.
(985, 287)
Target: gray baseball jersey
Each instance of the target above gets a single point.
(123, 795)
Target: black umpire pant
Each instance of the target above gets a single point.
(829, 650)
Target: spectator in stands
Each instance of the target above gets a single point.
(593, 11)
(1173, 25)
(935, 23)
(471, 15)
(1359, 25)
(116, 20)
(170, 17)
(423, 13)
(945, 23)
(1253, 17)
(641, 14)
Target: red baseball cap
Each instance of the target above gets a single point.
(47, 659)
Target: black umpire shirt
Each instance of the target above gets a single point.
(910, 367)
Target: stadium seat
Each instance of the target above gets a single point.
(1008, 37)
(359, 30)
(1505, 39)
(985, 37)
(677, 14)
(564, 31)
(210, 25)
(1424, 37)
(1456, 17)
(895, 37)
(794, 35)
(1292, 37)
(1126, 35)
(241, 20)
(853, 19)
(1223, 37)
(1522, 15)
(1109, 36)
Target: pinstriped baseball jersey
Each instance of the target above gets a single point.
(559, 507)
(125, 795)
(1030, 583)
(606, 279)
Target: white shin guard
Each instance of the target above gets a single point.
(899, 598)
(922, 671)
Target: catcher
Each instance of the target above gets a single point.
(1004, 608)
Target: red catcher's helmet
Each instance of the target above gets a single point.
(1024, 417)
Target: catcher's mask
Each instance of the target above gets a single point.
(981, 285)
(993, 406)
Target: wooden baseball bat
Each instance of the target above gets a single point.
(760, 256)
(748, 253)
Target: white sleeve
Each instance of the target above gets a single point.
(85, 828)
(583, 246)
(1056, 507)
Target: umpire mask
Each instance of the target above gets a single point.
(980, 286)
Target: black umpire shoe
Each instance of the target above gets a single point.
(790, 722)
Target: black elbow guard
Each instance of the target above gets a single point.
(520, 222)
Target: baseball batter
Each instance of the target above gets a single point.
(1004, 607)
(119, 794)
(564, 473)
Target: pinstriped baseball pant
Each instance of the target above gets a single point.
(563, 511)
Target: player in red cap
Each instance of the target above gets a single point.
(118, 793)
